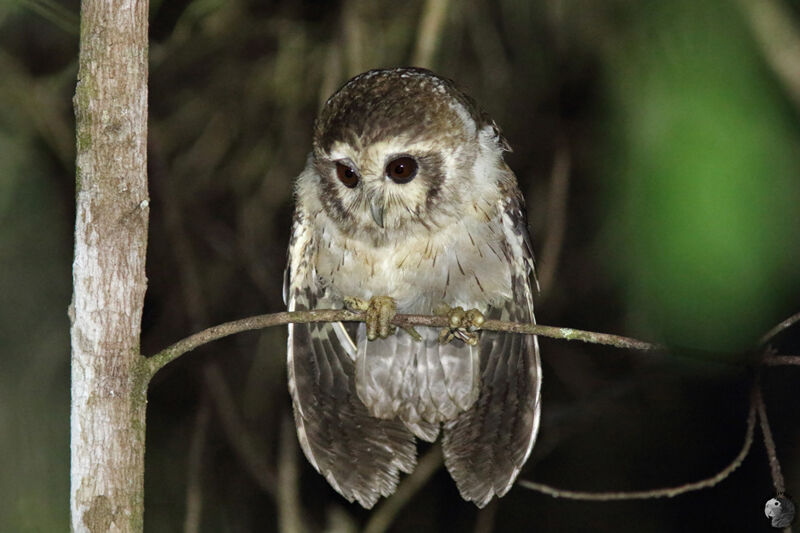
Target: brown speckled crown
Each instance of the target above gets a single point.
(385, 103)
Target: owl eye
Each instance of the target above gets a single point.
(347, 175)
(402, 169)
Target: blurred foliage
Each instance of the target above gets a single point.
(708, 185)
(680, 223)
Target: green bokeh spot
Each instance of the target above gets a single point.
(706, 209)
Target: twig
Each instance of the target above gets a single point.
(290, 516)
(236, 432)
(774, 332)
(157, 361)
(429, 32)
(194, 486)
(383, 516)
(777, 360)
(667, 492)
(52, 11)
(485, 520)
(353, 34)
(769, 444)
(556, 217)
(779, 38)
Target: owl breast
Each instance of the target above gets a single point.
(460, 264)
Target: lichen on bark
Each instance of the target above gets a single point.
(108, 382)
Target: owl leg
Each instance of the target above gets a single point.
(380, 311)
(463, 324)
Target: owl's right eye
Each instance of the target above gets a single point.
(346, 175)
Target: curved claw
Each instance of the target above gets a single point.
(463, 325)
(380, 311)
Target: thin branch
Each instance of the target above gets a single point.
(236, 432)
(777, 360)
(383, 516)
(769, 444)
(353, 32)
(194, 485)
(772, 24)
(55, 14)
(556, 217)
(159, 360)
(429, 32)
(290, 511)
(485, 520)
(667, 492)
(774, 332)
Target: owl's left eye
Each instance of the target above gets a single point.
(401, 170)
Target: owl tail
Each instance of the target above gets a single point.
(423, 382)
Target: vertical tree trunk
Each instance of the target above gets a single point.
(108, 378)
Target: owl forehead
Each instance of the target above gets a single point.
(386, 107)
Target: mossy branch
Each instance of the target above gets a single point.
(162, 358)
(159, 360)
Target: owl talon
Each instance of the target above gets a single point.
(380, 311)
(414, 333)
(463, 324)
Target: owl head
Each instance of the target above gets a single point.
(400, 150)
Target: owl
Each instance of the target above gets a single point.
(406, 205)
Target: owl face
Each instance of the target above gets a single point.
(395, 151)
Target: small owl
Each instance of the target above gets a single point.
(406, 203)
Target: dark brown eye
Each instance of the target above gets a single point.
(402, 169)
(346, 175)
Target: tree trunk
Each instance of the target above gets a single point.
(109, 380)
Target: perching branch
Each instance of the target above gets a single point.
(162, 358)
(769, 444)
(159, 360)
(667, 492)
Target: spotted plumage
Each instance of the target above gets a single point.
(406, 195)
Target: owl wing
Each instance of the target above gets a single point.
(486, 446)
(359, 455)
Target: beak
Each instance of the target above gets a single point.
(376, 208)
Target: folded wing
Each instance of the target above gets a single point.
(360, 456)
(486, 446)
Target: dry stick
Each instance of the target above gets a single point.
(776, 360)
(769, 444)
(159, 360)
(167, 355)
(556, 217)
(382, 518)
(353, 33)
(429, 32)
(236, 432)
(484, 522)
(220, 394)
(786, 324)
(667, 492)
(773, 28)
(194, 487)
(290, 510)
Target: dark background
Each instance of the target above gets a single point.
(658, 147)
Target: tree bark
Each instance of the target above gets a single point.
(109, 380)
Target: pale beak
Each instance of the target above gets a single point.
(376, 208)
